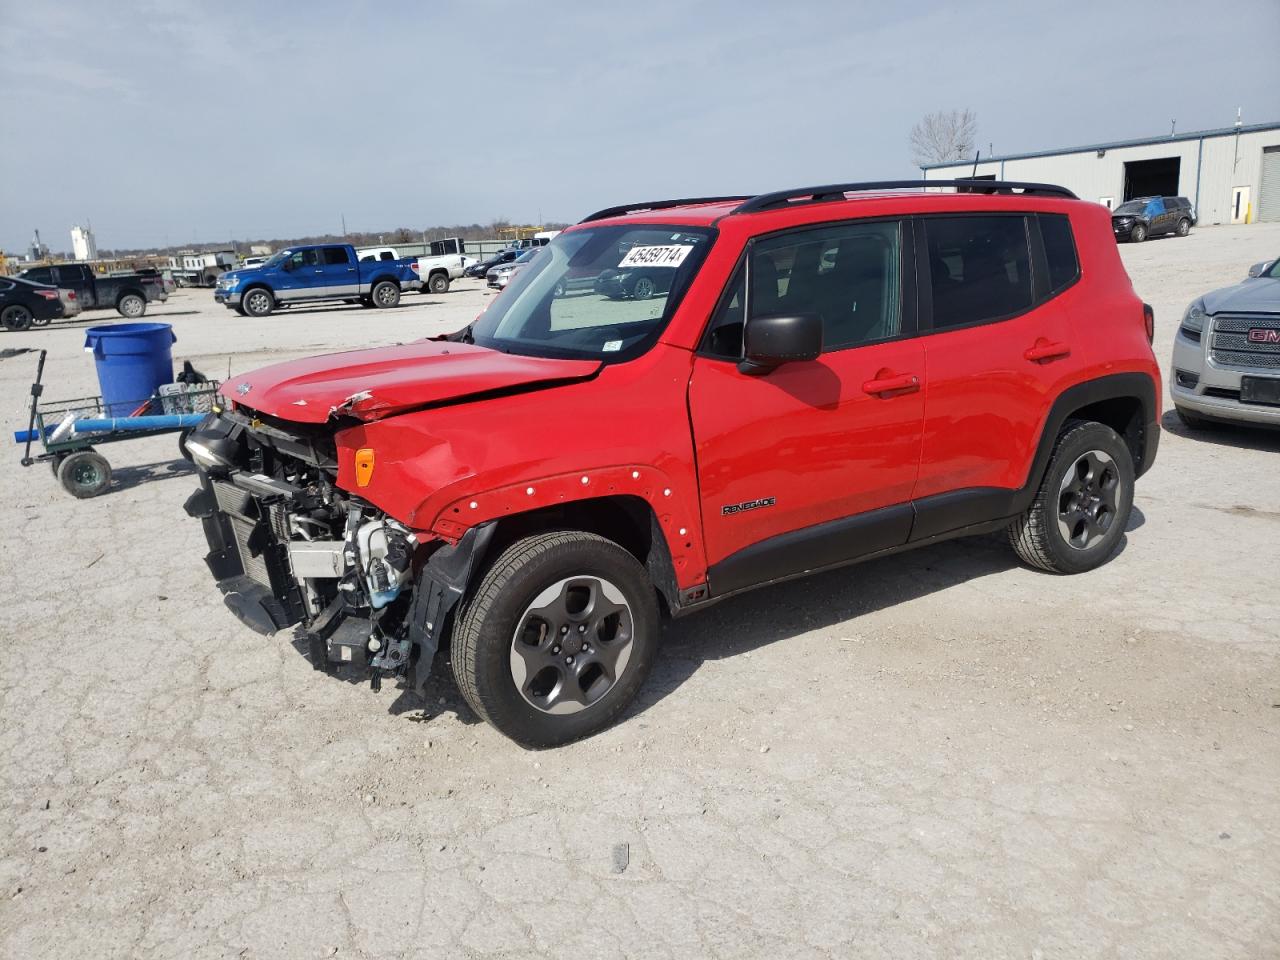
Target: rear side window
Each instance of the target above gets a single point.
(386, 255)
(979, 269)
(1059, 251)
(336, 255)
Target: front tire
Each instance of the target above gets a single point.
(258, 302)
(1190, 420)
(1139, 233)
(1082, 507)
(84, 474)
(385, 294)
(557, 639)
(131, 306)
(1184, 227)
(16, 317)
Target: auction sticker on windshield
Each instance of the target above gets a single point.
(671, 255)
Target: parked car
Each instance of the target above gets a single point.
(547, 484)
(434, 272)
(1226, 354)
(309, 274)
(24, 304)
(639, 283)
(501, 275)
(481, 270)
(129, 293)
(1152, 217)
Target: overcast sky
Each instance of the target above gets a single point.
(178, 122)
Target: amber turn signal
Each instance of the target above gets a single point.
(364, 466)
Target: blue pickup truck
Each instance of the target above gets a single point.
(327, 271)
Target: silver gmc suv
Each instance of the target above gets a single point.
(1226, 353)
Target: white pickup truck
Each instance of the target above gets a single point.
(436, 273)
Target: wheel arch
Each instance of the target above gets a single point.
(1125, 402)
(625, 519)
(384, 276)
(130, 291)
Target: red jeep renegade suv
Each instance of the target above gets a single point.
(677, 401)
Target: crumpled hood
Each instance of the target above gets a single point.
(381, 382)
(1255, 295)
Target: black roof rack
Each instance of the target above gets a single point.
(837, 191)
(655, 205)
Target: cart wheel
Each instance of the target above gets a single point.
(55, 463)
(182, 444)
(85, 474)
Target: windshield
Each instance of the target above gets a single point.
(277, 259)
(1133, 206)
(598, 293)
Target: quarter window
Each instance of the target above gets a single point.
(979, 269)
(1059, 251)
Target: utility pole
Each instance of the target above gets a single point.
(344, 226)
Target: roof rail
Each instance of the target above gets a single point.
(655, 205)
(836, 191)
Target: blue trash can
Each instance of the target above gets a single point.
(133, 359)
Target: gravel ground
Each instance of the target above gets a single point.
(937, 754)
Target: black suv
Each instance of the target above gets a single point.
(1145, 217)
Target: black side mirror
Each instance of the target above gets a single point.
(777, 338)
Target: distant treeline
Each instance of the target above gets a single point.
(497, 230)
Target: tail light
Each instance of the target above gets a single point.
(414, 266)
(1149, 320)
(71, 294)
(48, 294)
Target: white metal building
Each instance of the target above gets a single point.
(1230, 175)
(83, 245)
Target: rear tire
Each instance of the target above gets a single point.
(131, 306)
(438, 283)
(258, 302)
(1082, 507)
(84, 474)
(385, 294)
(557, 638)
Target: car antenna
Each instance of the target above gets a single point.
(976, 155)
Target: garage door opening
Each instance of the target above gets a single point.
(1152, 178)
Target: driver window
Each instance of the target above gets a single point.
(849, 274)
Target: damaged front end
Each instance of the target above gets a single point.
(287, 547)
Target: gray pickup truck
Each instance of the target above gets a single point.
(128, 294)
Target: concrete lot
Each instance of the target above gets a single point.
(938, 754)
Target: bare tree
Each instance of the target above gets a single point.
(944, 137)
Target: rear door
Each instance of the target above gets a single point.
(998, 349)
(339, 275)
(811, 463)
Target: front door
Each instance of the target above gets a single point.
(1239, 204)
(301, 277)
(811, 463)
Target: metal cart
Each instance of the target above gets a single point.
(70, 430)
